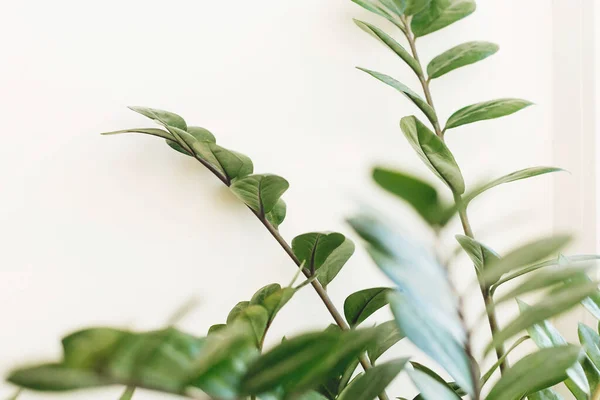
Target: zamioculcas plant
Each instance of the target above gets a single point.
(229, 362)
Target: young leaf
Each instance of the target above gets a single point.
(515, 176)
(535, 372)
(260, 192)
(162, 117)
(360, 305)
(459, 56)
(486, 110)
(431, 388)
(590, 340)
(373, 382)
(415, 98)
(440, 14)
(480, 254)
(419, 194)
(391, 44)
(388, 334)
(434, 153)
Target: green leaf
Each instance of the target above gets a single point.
(419, 194)
(198, 133)
(535, 372)
(480, 254)
(524, 255)
(260, 192)
(215, 328)
(499, 362)
(323, 252)
(486, 110)
(590, 341)
(452, 386)
(202, 149)
(162, 117)
(434, 153)
(376, 9)
(56, 377)
(515, 176)
(553, 305)
(373, 382)
(277, 214)
(302, 363)
(235, 165)
(433, 339)
(148, 131)
(388, 334)
(257, 317)
(545, 335)
(276, 300)
(546, 394)
(237, 310)
(440, 14)
(128, 394)
(415, 98)
(361, 305)
(264, 292)
(459, 56)
(415, 6)
(391, 44)
(431, 388)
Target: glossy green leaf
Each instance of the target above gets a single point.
(361, 305)
(515, 176)
(535, 372)
(415, 98)
(434, 153)
(486, 110)
(439, 14)
(302, 363)
(392, 44)
(373, 382)
(480, 254)
(546, 394)
(524, 255)
(459, 56)
(433, 339)
(128, 394)
(162, 117)
(431, 388)
(260, 192)
(419, 194)
(590, 340)
(388, 334)
(277, 214)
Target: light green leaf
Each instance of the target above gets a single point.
(276, 300)
(523, 256)
(486, 110)
(302, 363)
(590, 341)
(235, 165)
(277, 214)
(459, 56)
(535, 372)
(450, 385)
(371, 6)
(215, 328)
(56, 377)
(499, 362)
(237, 310)
(260, 192)
(431, 388)
(419, 194)
(162, 117)
(391, 44)
(546, 394)
(415, 98)
(264, 292)
(434, 153)
(388, 334)
(415, 6)
(361, 305)
(480, 254)
(257, 317)
(128, 394)
(515, 176)
(440, 14)
(373, 382)
(148, 131)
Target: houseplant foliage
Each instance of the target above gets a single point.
(229, 362)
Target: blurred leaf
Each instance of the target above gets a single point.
(459, 56)
(304, 362)
(499, 362)
(451, 385)
(535, 372)
(391, 44)
(590, 341)
(546, 394)
(523, 256)
(56, 377)
(277, 214)
(361, 305)
(419, 194)
(434, 153)
(486, 110)
(433, 339)
(440, 14)
(216, 328)
(373, 382)
(415, 98)
(128, 394)
(260, 192)
(480, 254)
(388, 334)
(431, 388)
(162, 117)
(515, 176)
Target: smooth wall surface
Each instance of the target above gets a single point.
(122, 230)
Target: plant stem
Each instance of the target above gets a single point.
(462, 211)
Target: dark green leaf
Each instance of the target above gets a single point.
(459, 56)
(439, 14)
(373, 382)
(486, 110)
(361, 305)
(162, 117)
(391, 44)
(388, 334)
(431, 388)
(434, 153)
(200, 134)
(235, 165)
(480, 254)
(535, 372)
(260, 192)
(415, 98)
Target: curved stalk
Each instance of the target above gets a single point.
(487, 296)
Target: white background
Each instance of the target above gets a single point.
(122, 230)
